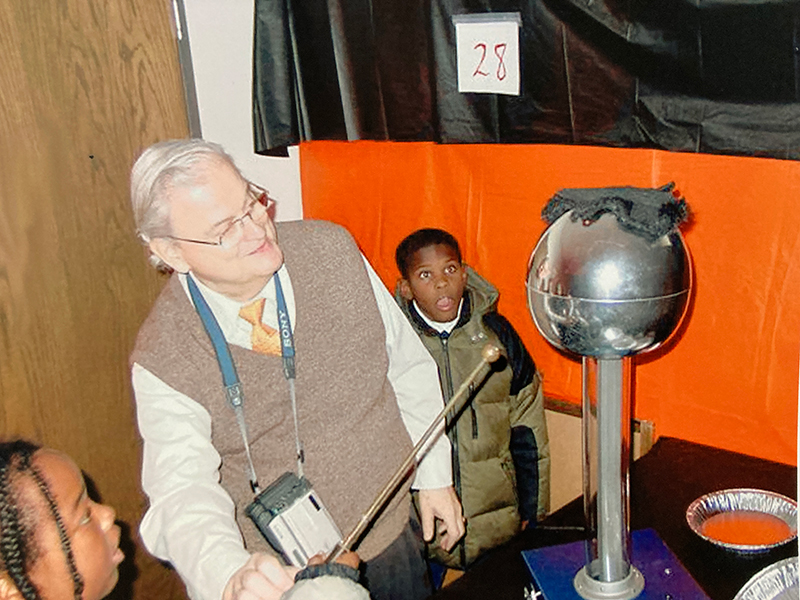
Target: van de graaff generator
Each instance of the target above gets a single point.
(605, 287)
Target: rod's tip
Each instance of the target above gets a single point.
(490, 353)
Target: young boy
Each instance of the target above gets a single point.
(501, 457)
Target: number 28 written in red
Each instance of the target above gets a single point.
(484, 63)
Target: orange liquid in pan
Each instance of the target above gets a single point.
(746, 528)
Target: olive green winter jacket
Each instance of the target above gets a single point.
(501, 456)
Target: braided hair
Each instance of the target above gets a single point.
(18, 549)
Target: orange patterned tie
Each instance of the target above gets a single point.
(263, 338)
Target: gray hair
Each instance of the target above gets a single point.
(159, 169)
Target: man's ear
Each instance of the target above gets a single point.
(8, 591)
(170, 253)
(405, 289)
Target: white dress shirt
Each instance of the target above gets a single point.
(190, 521)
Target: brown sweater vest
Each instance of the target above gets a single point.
(349, 421)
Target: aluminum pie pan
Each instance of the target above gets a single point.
(778, 581)
(742, 499)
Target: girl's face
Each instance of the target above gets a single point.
(93, 536)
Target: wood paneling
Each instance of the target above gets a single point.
(84, 86)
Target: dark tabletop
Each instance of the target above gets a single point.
(663, 484)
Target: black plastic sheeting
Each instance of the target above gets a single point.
(713, 76)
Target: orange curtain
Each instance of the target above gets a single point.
(729, 378)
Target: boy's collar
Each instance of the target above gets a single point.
(429, 326)
(439, 326)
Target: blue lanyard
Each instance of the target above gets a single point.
(230, 378)
(285, 327)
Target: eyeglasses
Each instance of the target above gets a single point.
(257, 211)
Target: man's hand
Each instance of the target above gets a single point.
(348, 558)
(262, 577)
(442, 504)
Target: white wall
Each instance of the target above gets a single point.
(221, 38)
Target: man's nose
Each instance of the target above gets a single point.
(251, 228)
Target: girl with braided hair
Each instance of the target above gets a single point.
(55, 542)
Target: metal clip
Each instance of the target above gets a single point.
(234, 394)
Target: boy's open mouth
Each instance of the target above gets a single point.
(445, 303)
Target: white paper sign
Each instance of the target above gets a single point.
(487, 53)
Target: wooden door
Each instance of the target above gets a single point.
(84, 86)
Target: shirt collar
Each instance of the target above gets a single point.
(437, 325)
(226, 310)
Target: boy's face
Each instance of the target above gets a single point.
(436, 280)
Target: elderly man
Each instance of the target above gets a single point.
(364, 384)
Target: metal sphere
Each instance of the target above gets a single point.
(598, 290)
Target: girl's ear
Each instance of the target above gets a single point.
(8, 591)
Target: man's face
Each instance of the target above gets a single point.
(202, 211)
(436, 280)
